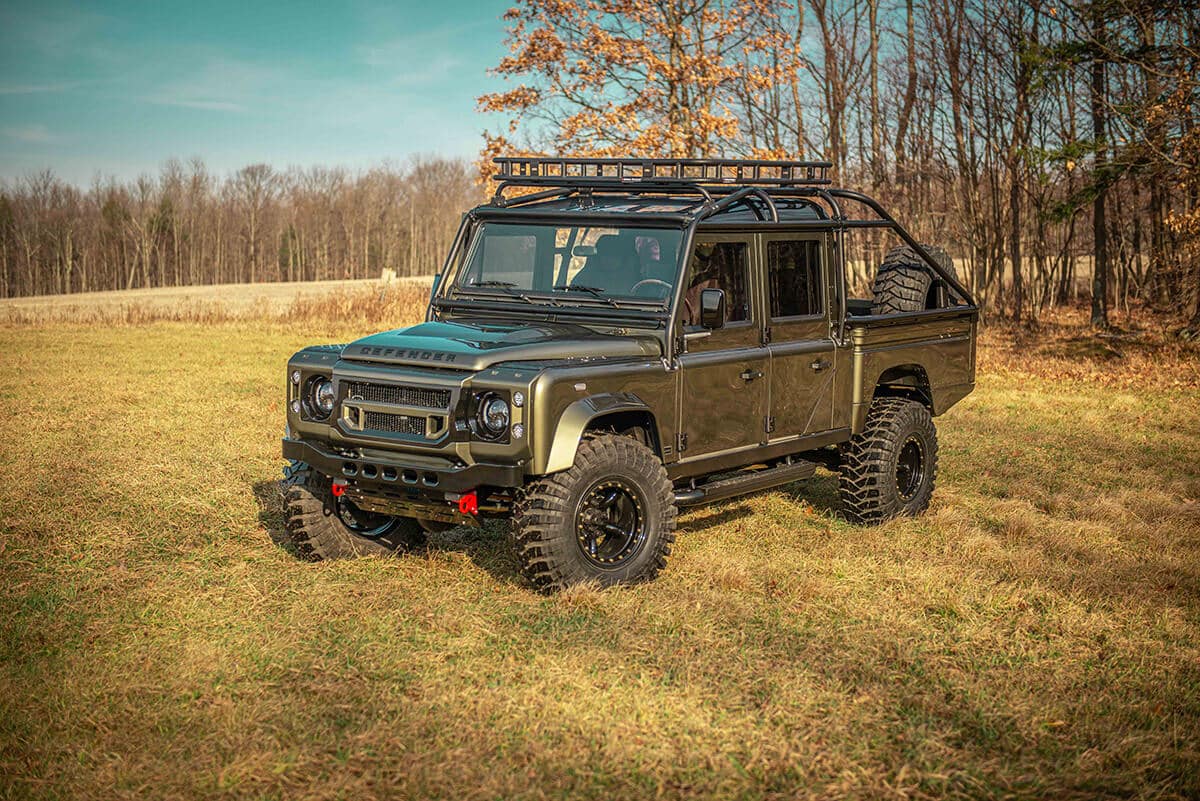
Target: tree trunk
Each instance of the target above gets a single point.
(1099, 224)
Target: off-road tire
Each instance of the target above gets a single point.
(869, 482)
(904, 282)
(316, 532)
(544, 518)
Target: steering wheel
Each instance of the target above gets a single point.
(666, 287)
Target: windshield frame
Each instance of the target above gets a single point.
(455, 291)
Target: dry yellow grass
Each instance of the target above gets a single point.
(348, 302)
(1036, 635)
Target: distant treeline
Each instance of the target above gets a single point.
(188, 226)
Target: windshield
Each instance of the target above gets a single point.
(634, 264)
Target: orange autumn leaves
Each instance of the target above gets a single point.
(627, 77)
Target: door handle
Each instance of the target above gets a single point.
(750, 375)
(820, 364)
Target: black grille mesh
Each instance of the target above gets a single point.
(405, 396)
(394, 423)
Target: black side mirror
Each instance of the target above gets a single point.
(712, 308)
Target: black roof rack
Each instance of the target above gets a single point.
(582, 172)
(720, 184)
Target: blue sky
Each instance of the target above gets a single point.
(118, 87)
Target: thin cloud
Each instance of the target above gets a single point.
(30, 134)
(204, 105)
(38, 88)
(219, 83)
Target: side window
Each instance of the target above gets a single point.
(719, 265)
(794, 276)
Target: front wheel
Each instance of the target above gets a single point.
(890, 468)
(322, 526)
(608, 519)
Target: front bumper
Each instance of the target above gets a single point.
(412, 471)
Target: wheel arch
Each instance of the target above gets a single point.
(609, 411)
(908, 380)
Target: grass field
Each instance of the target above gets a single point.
(1036, 635)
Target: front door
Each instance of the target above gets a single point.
(725, 372)
(802, 350)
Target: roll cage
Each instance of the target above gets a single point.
(699, 191)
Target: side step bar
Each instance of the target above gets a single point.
(747, 482)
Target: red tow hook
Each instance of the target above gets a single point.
(469, 504)
(339, 487)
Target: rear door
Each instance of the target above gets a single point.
(801, 346)
(724, 371)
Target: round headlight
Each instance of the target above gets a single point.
(321, 397)
(494, 414)
(325, 396)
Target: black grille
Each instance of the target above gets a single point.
(394, 423)
(404, 396)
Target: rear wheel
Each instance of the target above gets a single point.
(889, 470)
(322, 526)
(610, 518)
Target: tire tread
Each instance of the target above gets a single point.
(864, 479)
(543, 524)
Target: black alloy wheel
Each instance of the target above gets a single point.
(371, 525)
(610, 523)
(910, 468)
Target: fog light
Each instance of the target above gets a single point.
(296, 406)
(295, 376)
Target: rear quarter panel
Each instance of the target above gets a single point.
(940, 348)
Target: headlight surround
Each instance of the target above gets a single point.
(492, 415)
(319, 397)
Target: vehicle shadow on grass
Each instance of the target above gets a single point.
(488, 548)
(820, 492)
(269, 497)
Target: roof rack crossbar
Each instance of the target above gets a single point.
(581, 172)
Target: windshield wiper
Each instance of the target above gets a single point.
(599, 293)
(594, 290)
(507, 286)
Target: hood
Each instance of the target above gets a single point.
(474, 346)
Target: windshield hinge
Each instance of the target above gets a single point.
(681, 442)
(769, 425)
(766, 335)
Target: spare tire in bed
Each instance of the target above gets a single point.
(905, 283)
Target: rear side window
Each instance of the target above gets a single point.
(794, 273)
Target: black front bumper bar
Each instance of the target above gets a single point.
(381, 472)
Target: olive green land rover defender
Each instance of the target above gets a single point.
(628, 337)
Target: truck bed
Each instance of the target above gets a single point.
(930, 352)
